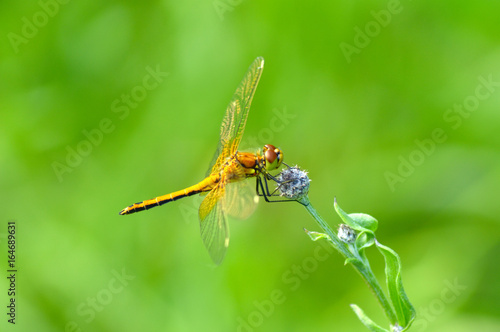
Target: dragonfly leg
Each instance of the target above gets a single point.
(259, 187)
(266, 193)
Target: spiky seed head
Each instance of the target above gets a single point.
(293, 183)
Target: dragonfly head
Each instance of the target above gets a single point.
(273, 157)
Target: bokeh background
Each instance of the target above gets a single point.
(351, 91)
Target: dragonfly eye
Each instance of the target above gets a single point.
(273, 156)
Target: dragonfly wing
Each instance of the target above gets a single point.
(213, 223)
(216, 161)
(240, 199)
(234, 121)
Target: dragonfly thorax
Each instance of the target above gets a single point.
(273, 157)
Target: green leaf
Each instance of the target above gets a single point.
(354, 261)
(366, 320)
(357, 221)
(404, 310)
(365, 221)
(316, 235)
(364, 240)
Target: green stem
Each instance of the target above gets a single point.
(363, 269)
(339, 245)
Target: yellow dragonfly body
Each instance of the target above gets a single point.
(228, 166)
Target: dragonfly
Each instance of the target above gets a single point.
(229, 166)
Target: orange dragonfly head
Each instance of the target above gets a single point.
(273, 157)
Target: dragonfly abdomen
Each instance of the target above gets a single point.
(203, 186)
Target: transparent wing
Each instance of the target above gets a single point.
(234, 121)
(213, 223)
(240, 199)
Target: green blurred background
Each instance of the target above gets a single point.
(346, 105)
